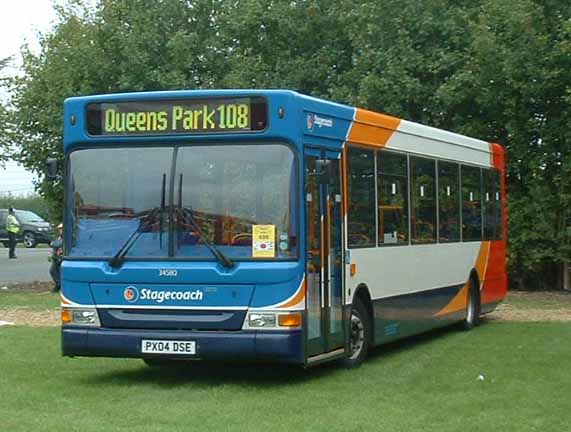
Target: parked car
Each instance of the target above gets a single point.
(33, 229)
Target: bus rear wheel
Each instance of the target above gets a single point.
(472, 308)
(359, 334)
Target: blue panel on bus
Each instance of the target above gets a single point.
(292, 116)
(258, 284)
(271, 294)
(187, 272)
(173, 319)
(76, 292)
(285, 347)
(171, 295)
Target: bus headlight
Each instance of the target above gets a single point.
(262, 320)
(276, 321)
(80, 316)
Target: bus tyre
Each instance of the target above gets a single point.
(359, 335)
(472, 308)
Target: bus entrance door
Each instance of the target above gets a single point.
(325, 329)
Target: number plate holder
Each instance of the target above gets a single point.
(171, 347)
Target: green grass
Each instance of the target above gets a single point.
(539, 300)
(427, 383)
(40, 300)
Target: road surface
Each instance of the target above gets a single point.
(31, 266)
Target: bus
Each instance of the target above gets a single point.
(267, 225)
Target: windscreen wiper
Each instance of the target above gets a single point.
(145, 225)
(186, 217)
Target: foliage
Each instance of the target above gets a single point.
(494, 70)
(33, 203)
(4, 119)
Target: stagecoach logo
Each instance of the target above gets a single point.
(131, 294)
(314, 120)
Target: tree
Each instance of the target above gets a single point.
(4, 119)
(493, 70)
(120, 46)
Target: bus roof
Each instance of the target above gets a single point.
(320, 123)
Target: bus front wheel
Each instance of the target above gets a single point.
(359, 334)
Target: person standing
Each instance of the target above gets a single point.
(57, 251)
(13, 228)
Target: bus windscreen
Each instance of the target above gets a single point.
(182, 116)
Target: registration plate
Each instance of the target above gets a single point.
(168, 347)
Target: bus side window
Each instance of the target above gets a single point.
(423, 200)
(448, 201)
(497, 198)
(392, 187)
(361, 217)
(471, 203)
(489, 204)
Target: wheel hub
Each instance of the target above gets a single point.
(357, 340)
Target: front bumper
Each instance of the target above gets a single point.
(43, 236)
(280, 347)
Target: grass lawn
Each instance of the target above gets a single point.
(428, 383)
(539, 300)
(33, 300)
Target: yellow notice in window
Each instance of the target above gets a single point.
(263, 241)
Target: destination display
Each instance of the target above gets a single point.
(183, 116)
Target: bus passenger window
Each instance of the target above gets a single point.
(497, 199)
(361, 217)
(448, 202)
(489, 204)
(423, 200)
(471, 204)
(392, 186)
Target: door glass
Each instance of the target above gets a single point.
(324, 263)
(333, 220)
(314, 250)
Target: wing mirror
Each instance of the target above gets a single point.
(52, 168)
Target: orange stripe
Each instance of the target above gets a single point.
(372, 128)
(64, 300)
(460, 300)
(497, 156)
(298, 297)
(482, 261)
(458, 303)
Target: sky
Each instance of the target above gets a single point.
(20, 22)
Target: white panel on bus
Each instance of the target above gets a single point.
(425, 140)
(396, 270)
